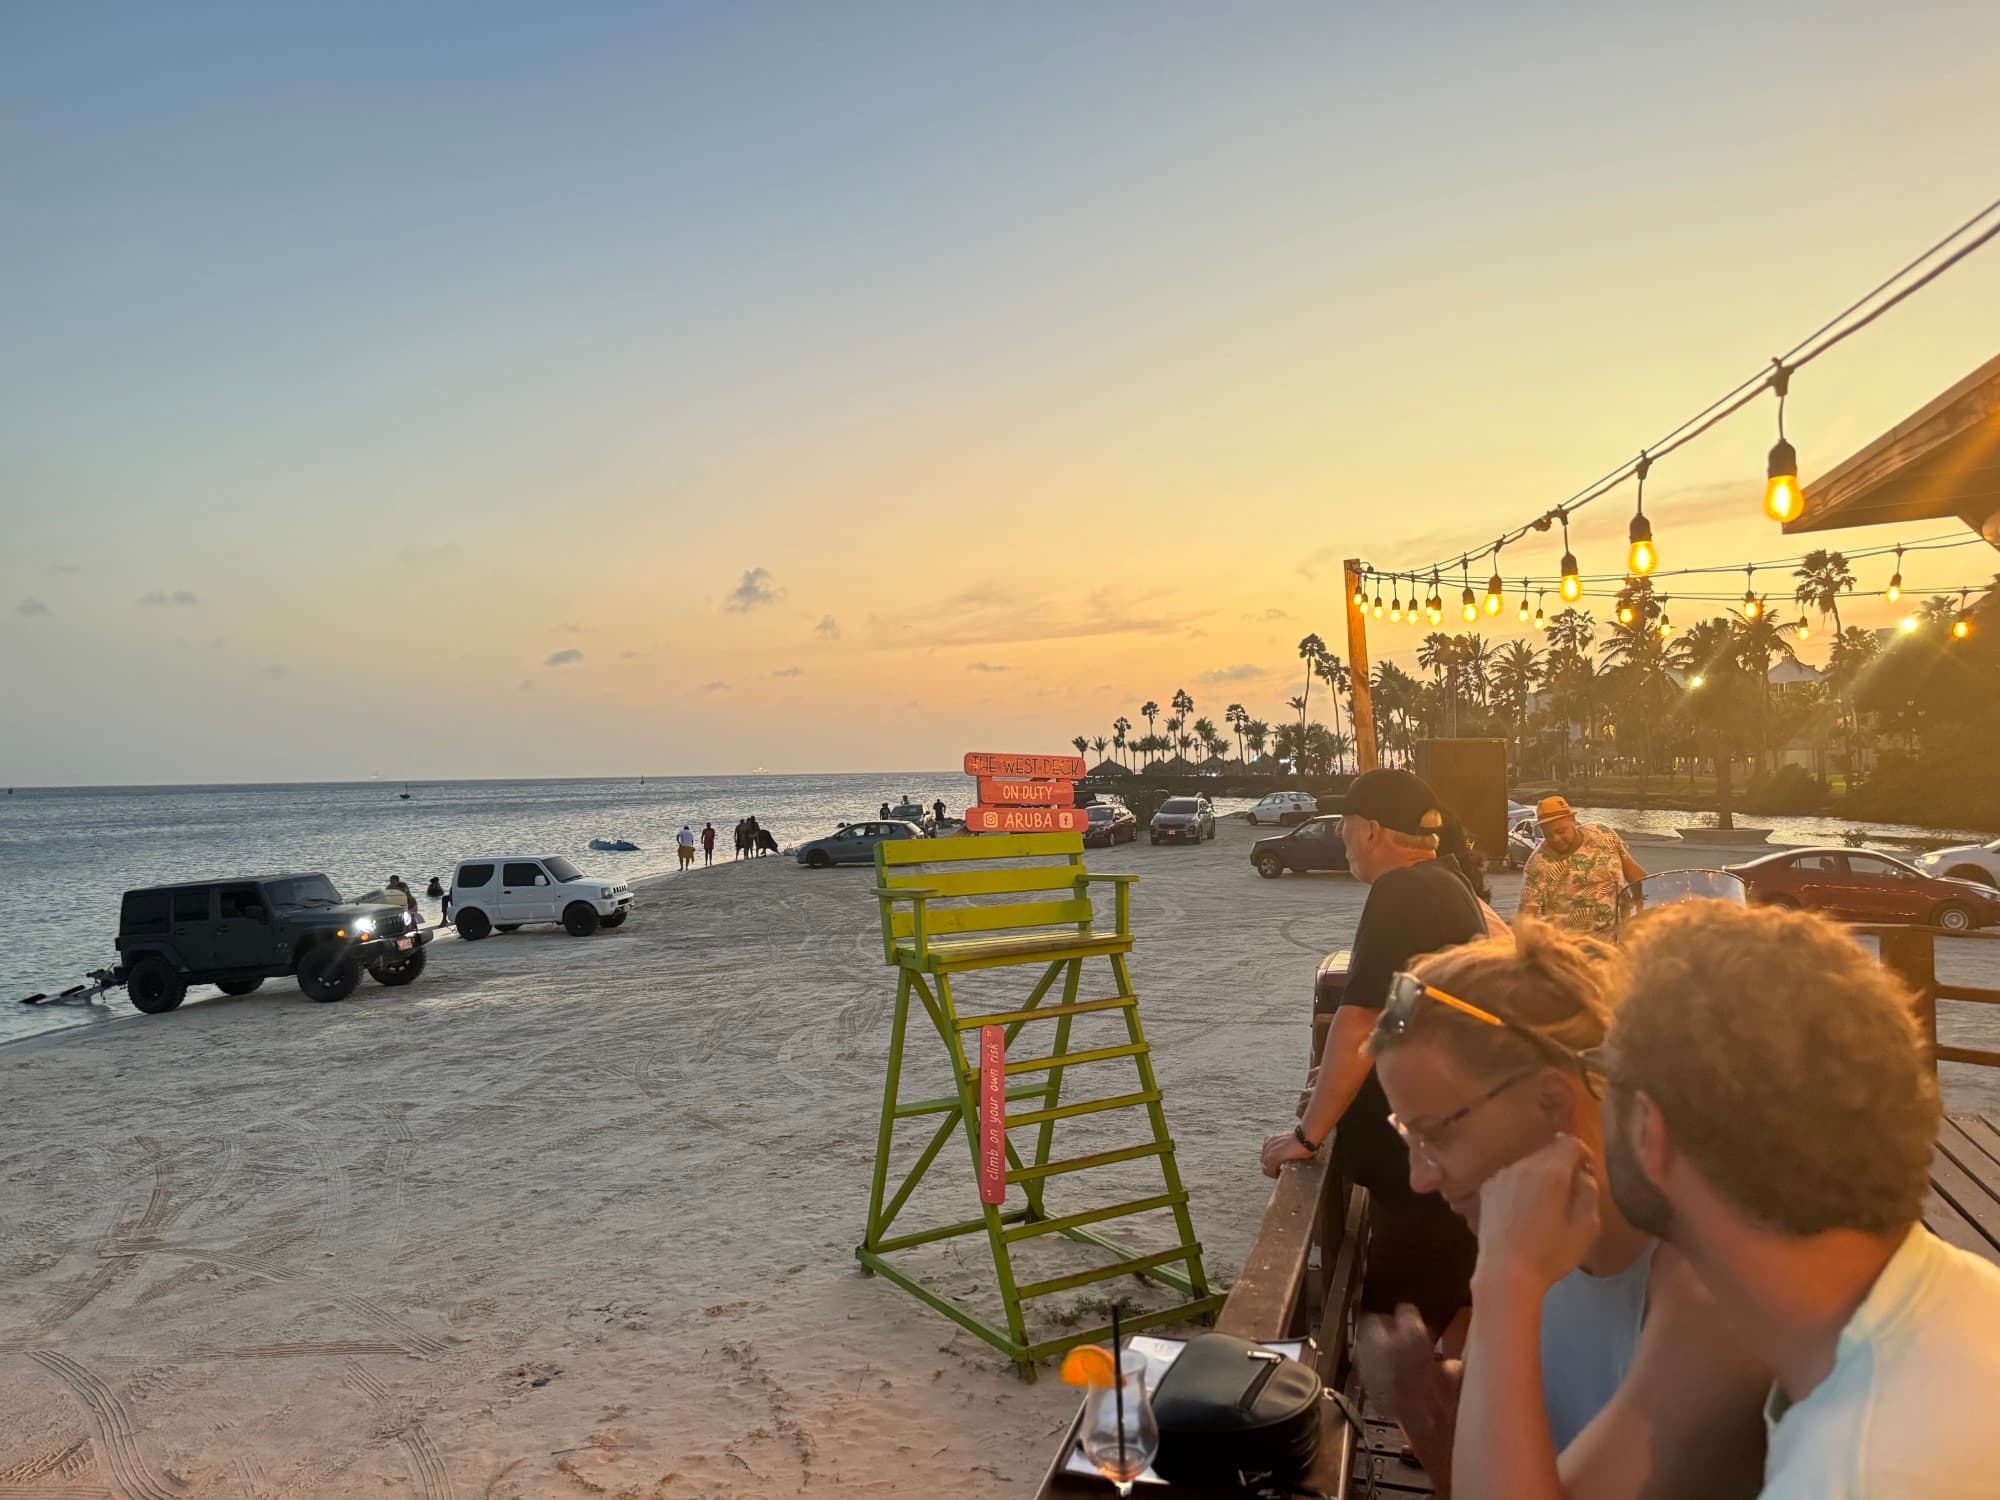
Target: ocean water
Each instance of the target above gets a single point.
(67, 855)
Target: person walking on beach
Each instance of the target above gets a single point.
(937, 808)
(750, 832)
(707, 844)
(409, 897)
(742, 838)
(885, 811)
(686, 840)
(1573, 880)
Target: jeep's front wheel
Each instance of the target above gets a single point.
(473, 925)
(155, 986)
(580, 919)
(329, 973)
(399, 971)
(617, 918)
(237, 986)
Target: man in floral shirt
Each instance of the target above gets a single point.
(1573, 880)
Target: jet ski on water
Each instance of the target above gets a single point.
(614, 846)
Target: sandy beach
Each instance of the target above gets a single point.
(576, 1217)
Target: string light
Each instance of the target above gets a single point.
(1434, 608)
(1962, 626)
(1895, 589)
(1468, 607)
(1396, 607)
(1643, 558)
(1781, 486)
(1908, 624)
(1524, 601)
(1572, 586)
(1361, 591)
(1496, 591)
(1802, 629)
(1625, 612)
(1539, 597)
(1751, 608)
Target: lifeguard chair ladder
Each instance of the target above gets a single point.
(937, 924)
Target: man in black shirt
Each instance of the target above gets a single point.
(1420, 1252)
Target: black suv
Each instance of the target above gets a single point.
(235, 934)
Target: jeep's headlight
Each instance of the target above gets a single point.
(409, 918)
(364, 924)
(606, 893)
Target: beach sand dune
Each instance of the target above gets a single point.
(576, 1217)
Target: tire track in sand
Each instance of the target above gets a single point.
(115, 1436)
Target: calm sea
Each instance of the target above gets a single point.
(67, 855)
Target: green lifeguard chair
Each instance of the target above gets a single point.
(946, 914)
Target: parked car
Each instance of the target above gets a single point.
(1524, 837)
(1862, 885)
(1284, 808)
(506, 892)
(1110, 823)
(1314, 845)
(1980, 862)
(235, 934)
(1183, 820)
(854, 843)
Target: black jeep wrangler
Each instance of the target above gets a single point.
(235, 934)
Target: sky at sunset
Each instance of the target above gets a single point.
(498, 390)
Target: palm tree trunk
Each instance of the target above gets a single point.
(1725, 774)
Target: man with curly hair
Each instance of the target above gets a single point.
(1771, 1114)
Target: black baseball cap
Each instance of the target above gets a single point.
(1398, 800)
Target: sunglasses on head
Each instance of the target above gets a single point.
(1407, 992)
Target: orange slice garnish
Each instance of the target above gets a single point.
(1089, 1365)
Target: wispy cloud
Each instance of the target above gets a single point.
(828, 627)
(179, 598)
(1243, 672)
(718, 686)
(564, 658)
(628, 655)
(32, 607)
(983, 666)
(993, 614)
(756, 588)
(1273, 613)
(790, 672)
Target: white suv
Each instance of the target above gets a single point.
(506, 892)
(1284, 808)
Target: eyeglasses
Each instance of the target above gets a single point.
(1407, 992)
(1425, 1138)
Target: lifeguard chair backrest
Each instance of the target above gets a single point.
(966, 878)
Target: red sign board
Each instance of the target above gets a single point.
(992, 1114)
(1005, 763)
(994, 793)
(1026, 820)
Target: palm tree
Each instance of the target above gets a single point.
(1236, 716)
(1759, 641)
(1333, 672)
(1183, 704)
(1149, 710)
(1823, 577)
(1516, 670)
(1082, 743)
(1289, 744)
(1311, 649)
(1717, 702)
(1120, 727)
(1640, 659)
(1475, 660)
(1204, 732)
(1256, 734)
(1848, 661)
(1098, 743)
(1938, 610)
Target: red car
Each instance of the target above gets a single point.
(1859, 885)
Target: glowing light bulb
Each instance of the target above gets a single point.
(1804, 630)
(1961, 628)
(1624, 614)
(1495, 595)
(1396, 610)
(1643, 558)
(1524, 609)
(1697, 680)
(1895, 589)
(1572, 586)
(1360, 596)
(1468, 608)
(1781, 489)
(1751, 608)
(1378, 606)
(1908, 624)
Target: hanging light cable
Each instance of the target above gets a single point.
(1643, 558)
(1751, 608)
(1396, 603)
(1540, 595)
(1781, 486)
(1468, 607)
(1524, 601)
(1496, 591)
(1895, 589)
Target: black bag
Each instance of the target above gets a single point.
(1233, 1415)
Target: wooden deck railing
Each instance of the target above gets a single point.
(1911, 953)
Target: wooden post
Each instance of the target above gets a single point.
(1907, 953)
(1357, 665)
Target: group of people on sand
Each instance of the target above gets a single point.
(752, 841)
(1645, 1216)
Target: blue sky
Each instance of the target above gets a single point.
(1038, 348)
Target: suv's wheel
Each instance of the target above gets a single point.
(401, 971)
(617, 918)
(1270, 867)
(473, 925)
(1954, 916)
(818, 860)
(237, 986)
(328, 973)
(155, 986)
(580, 919)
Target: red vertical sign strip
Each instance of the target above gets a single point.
(992, 1115)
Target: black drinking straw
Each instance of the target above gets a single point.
(1118, 1385)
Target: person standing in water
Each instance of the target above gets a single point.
(707, 844)
(685, 838)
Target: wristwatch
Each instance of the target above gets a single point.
(1299, 1135)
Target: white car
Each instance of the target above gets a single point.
(1980, 862)
(1284, 808)
(502, 893)
(1523, 839)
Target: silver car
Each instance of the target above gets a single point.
(854, 843)
(1183, 820)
